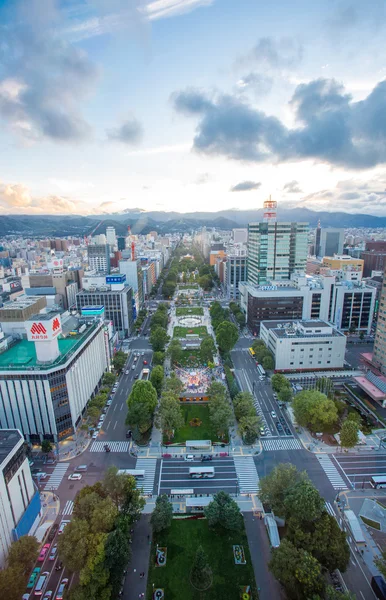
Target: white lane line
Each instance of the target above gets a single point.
(116, 423)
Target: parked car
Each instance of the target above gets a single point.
(62, 526)
(127, 372)
(189, 457)
(94, 435)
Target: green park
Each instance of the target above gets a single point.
(197, 425)
(183, 332)
(197, 311)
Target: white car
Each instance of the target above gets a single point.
(74, 477)
(273, 414)
(127, 372)
(62, 526)
(99, 426)
(94, 435)
(102, 418)
(189, 457)
(108, 403)
(143, 354)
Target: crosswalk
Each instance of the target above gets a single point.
(149, 465)
(330, 509)
(56, 477)
(68, 508)
(260, 413)
(114, 446)
(246, 474)
(332, 472)
(281, 444)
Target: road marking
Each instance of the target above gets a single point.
(68, 508)
(56, 476)
(332, 472)
(246, 474)
(330, 509)
(282, 444)
(114, 446)
(149, 465)
(116, 423)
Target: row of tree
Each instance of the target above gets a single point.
(282, 387)
(237, 313)
(141, 404)
(245, 413)
(226, 332)
(96, 544)
(170, 416)
(20, 561)
(263, 355)
(158, 331)
(313, 544)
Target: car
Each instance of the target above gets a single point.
(62, 526)
(279, 426)
(282, 420)
(142, 354)
(108, 403)
(189, 457)
(62, 587)
(26, 597)
(206, 457)
(53, 552)
(133, 367)
(145, 362)
(48, 595)
(127, 372)
(136, 376)
(128, 433)
(53, 532)
(99, 426)
(94, 435)
(261, 378)
(50, 461)
(43, 552)
(41, 584)
(102, 417)
(287, 431)
(74, 477)
(104, 411)
(273, 414)
(33, 577)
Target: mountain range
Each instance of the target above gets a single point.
(141, 221)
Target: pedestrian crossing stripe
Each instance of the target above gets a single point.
(56, 477)
(148, 465)
(330, 509)
(68, 508)
(281, 444)
(332, 472)
(246, 474)
(114, 446)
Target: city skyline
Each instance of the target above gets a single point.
(184, 105)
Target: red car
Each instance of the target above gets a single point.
(145, 362)
(43, 552)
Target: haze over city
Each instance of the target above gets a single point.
(107, 105)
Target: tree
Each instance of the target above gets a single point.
(380, 563)
(249, 428)
(46, 446)
(207, 349)
(217, 391)
(122, 489)
(159, 319)
(349, 434)
(268, 363)
(158, 358)
(303, 502)
(157, 378)
(221, 417)
(169, 417)
(12, 583)
(224, 511)
(94, 413)
(117, 555)
(109, 378)
(201, 573)
(243, 405)
(285, 394)
(226, 335)
(158, 339)
(332, 594)
(279, 382)
(141, 405)
(74, 544)
(274, 487)
(297, 570)
(326, 386)
(240, 318)
(23, 554)
(314, 410)
(175, 351)
(119, 361)
(162, 514)
(173, 384)
(205, 282)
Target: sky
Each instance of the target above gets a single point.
(192, 105)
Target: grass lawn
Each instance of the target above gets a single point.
(181, 332)
(195, 310)
(182, 540)
(187, 432)
(190, 358)
(371, 523)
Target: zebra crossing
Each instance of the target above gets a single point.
(149, 465)
(114, 446)
(281, 444)
(68, 508)
(332, 472)
(330, 509)
(246, 474)
(56, 477)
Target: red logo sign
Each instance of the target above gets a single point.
(38, 328)
(55, 324)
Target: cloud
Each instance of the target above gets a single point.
(176, 148)
(292, 187)
(257, 82)
(284, 53)
(203, 178)
(331, 127)
(129, 132)
(42, 78)
(245, 186)
(17, 198)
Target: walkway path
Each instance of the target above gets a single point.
(134, 585)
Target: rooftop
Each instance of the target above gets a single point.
(20, 303)
(8, 440)
(22, 355)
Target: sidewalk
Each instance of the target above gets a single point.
(318, 446)
(134, 585)
(74, 445)
(50, 507)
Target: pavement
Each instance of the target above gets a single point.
(135, 585)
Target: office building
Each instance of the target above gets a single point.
(235, 271)
(344, 264)
(114, 294)
(373, 260)
(240, 236)
(379, 352)
(276, 250)
(14, 314)
(19, 498)
(99, 257)
(328, 241)
(111, 238)
(134, 278)
(313, 345)
(47, 379)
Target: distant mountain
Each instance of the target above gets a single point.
(169, 222)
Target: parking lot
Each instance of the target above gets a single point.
(360, 469)
(175, 475)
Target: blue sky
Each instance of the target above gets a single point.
(190, 105)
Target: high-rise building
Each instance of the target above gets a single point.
(111, 238)
(235, 272)
(379, 352)
(99, 257)
(276, 250)
(328, 241)
(240, 236)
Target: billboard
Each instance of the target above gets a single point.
(56, 263)
(118, 278)
(43, 330)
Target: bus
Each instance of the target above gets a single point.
(201, 472)
(378, 482)
(261, 371)
(252, 352)
(137, 473)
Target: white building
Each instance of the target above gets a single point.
(240, 236)
(312, 345)
(111, 237)
(19, 498)
(47, 379)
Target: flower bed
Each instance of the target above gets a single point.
(245, 592)
(196, 422)
(160, 556)
(238, 553)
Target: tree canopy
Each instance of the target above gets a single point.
(141, 403)
(169, 417)
(158, 338)
(157, 378)
(119, 360)
(162, 515)
(349, 434)
(226, 336)
(224, 511)
(207, 349)
(175, 351)
(314, 410)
